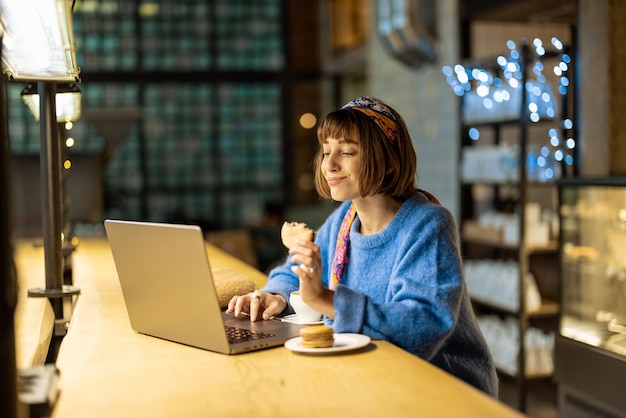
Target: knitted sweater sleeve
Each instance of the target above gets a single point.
(422, 301)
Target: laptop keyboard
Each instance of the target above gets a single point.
(238, 335)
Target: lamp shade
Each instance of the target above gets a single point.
(38, 41)
(407, 30)
(68, 100)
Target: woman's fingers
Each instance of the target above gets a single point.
(308, 257)
(239, 304)
(256, 301)
(257, 304)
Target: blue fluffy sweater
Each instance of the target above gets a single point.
(405, 285)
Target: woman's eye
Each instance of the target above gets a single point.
(345, 153)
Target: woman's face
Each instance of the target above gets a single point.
(341, 162)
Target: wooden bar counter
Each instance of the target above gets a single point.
(108, 370)
(34, 317)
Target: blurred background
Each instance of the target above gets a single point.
(205, 112)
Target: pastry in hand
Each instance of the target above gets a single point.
(317, 336)
(292, 232)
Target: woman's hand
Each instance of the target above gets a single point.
(257, 303)
(309, 269)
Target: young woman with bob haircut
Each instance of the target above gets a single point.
(386, 262)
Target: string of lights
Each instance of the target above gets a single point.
(492, 92)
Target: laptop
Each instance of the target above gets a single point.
(169, 292)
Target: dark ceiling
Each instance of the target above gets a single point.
(561, 11)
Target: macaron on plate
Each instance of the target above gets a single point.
(343, 342)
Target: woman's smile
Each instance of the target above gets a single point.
(334, 181)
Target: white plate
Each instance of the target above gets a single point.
(295, 320)
(343, 342)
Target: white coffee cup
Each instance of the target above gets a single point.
(304, 312)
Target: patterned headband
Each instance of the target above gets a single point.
(378, 112)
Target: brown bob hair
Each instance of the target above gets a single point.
(387, 166)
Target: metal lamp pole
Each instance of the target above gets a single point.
(52, 216)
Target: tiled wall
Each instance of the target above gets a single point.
(427, 104)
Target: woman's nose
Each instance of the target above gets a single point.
(330, 162)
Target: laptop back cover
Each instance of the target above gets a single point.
(166, 282)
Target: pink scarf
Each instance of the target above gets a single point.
(340, 260)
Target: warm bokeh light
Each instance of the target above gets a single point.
(308, 120)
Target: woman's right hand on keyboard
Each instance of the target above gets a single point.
(257, 303)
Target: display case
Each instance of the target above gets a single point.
(591, 345)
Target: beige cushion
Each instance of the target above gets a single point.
(229, 283)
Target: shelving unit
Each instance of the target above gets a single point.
(509, 202)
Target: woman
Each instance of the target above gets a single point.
(386, 263)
